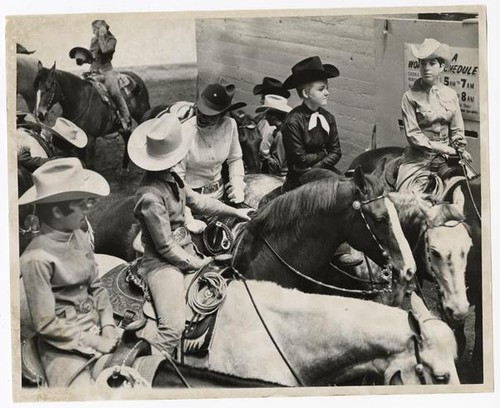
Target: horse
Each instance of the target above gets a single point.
(471, 189)
(117, 227)
(83, 105)
(292, 239)
(248, 133)
(27, 70)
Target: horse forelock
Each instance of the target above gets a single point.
(410, 209)
(442, 213)
(293, 210)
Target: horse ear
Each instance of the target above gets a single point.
(40, 66)
(53, 67)
(396, 379)
(359, 179)
(414, 324)
(379, 170)
(459, 199)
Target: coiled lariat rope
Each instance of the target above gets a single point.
(206, 293)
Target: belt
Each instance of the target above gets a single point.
(210, 187)
(86, 306)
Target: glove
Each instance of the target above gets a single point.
(195, 226)
(466, 155)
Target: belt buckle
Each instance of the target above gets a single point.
(180, 234)
(210, 188)
(86, 306)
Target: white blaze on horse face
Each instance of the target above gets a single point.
(409, 265)
(38, 98)
(448, 249)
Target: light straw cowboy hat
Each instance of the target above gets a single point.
(64, 180)
(309, 70)
(158, 144)
(432, 48)
(274, 102)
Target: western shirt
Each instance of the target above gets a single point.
(159, 206)
(102, 48)
(306, 148)
(209, 149)
(431, 114)
(60, 274)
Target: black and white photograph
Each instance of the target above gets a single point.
(215, 204)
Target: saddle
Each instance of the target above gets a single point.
(126, 83)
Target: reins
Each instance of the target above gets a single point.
(462, 161)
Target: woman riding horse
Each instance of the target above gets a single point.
(157, 146)
(432, 119)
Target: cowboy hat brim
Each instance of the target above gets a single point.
(87, 55)
(261, 90)
(80, 140)
(430, 51)
(310, 75)
(95, 186)
(207, 111)
(273, 108)
(137, 150)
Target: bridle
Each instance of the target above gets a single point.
(386, 275)
(428, 262)
(420, 365)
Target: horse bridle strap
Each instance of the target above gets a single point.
(419, 367)
(276, 345)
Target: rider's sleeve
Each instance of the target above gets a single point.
(332, 147)
(155, 215)
(235, 157)
(414, 134)
(457, 132)
(206, 205)
(107, 44)
(29, 162)
(277, 159)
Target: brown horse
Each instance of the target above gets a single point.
(292, 239)
(27, 70)
(82, 104)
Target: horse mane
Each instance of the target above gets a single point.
(292, 210)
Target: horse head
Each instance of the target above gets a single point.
(250, 139)
(429, 357)
(48, 91)
(447, 244)
(376, 221)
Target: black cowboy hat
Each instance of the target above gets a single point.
(309, 70)
(21, 49)
(271, 86)
(216, 99)
(82, 55)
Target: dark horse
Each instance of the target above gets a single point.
(82, 104)
(292, 239)
(248, 133)
(474, 273)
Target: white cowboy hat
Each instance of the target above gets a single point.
(274, 102)
(64, 180)
(158, 144)
(68, 131)
(432, 48)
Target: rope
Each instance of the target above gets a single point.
(294, 373)
(205, 294)
(82, 368)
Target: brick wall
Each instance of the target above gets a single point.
(245, 50)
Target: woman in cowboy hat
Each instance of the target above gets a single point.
(432, 119)
(102, 47)
(156, 146)
(269, 86)
(310, 133)
(214, 140)
(275, 108)
(70, 309)
(38, 143)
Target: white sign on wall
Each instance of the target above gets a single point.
(462, 75)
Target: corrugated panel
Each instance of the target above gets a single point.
(245, 50)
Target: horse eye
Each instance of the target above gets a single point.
(435, 253)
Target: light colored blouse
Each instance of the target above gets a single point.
(209, 149)
(431, 116)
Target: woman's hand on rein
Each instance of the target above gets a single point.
(243, 213)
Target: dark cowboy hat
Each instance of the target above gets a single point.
(216, 99)
(270, 86)
(82, 55)
(21, 49)
(309, 70)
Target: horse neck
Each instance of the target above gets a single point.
(74, 91)
(319, 333)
